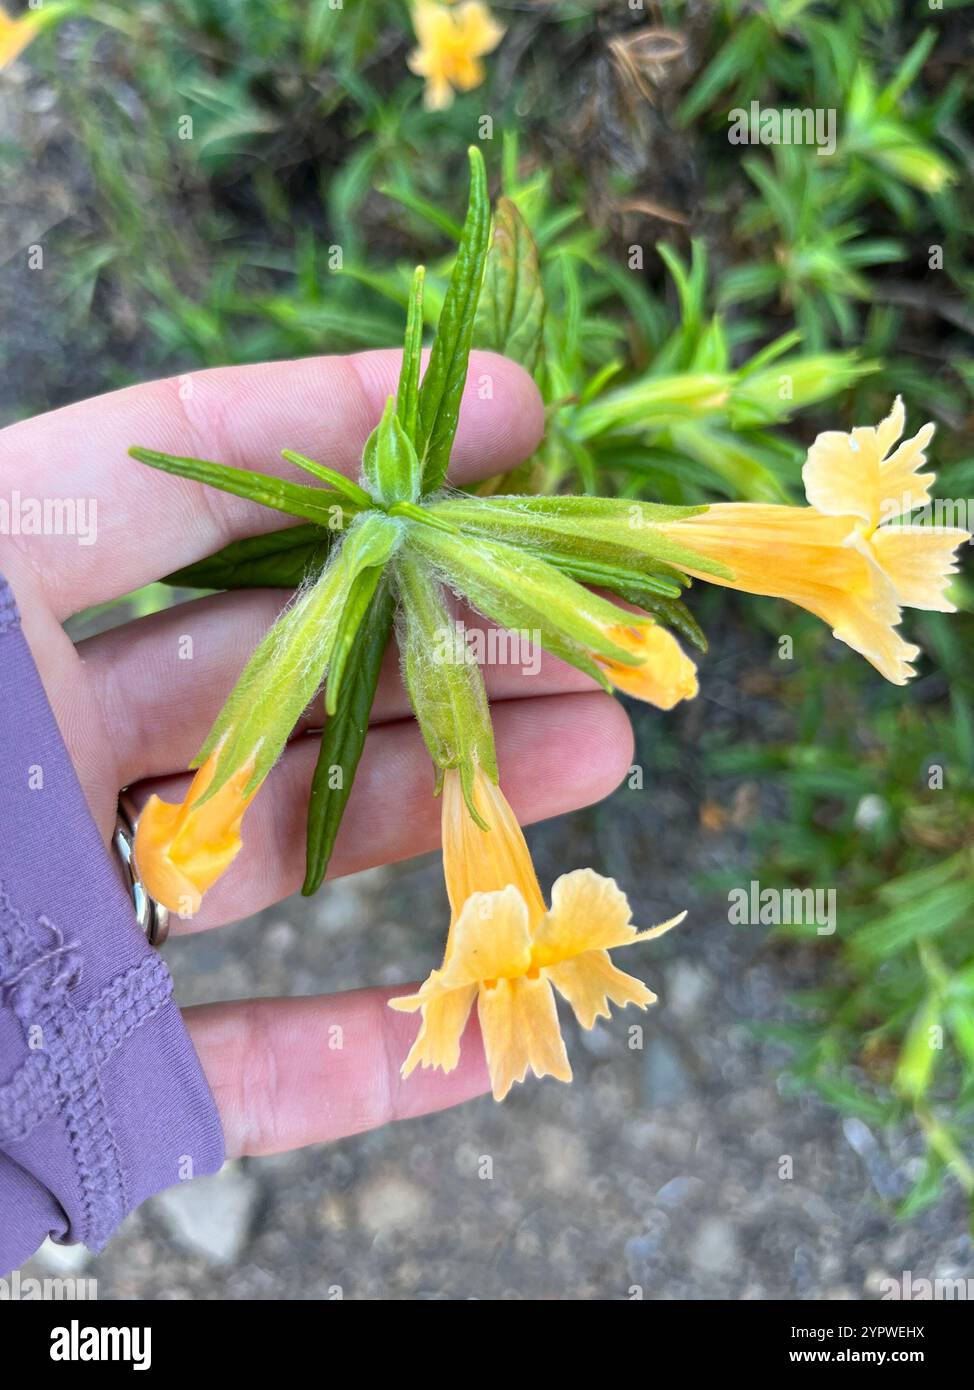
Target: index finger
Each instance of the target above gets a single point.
(142, 523)
(285, 1073)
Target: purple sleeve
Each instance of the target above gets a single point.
(102, 1097)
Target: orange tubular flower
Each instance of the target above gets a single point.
(508, 952)
(666, 676)
(180, 850)
(834, 557)
(451, 44)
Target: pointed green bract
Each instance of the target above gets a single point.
(392, 468)
(424, 515)
(446, 372)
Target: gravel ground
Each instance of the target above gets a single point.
(660, 1173)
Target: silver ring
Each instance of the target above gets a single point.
(151, 916)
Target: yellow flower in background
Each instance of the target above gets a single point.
(666, 675)
(181, 850)
(451, 44)
(508, 952)
(834, 557)
(16, 34)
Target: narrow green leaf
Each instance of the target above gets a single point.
(309, 503)
(657, 585)
(446, 372)
(344, 738)
(424, 515)
(510, 316)
(924, 1041)
(277, 560)
(423, 208)
(407, 397)
(655, 593)
(356, 495)
(357, 603)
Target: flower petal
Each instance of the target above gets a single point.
(490, 939)
(666, 676)
(888, 431)
(865, 615)
(918, 561)
(588, 912)
(477, 31)
(519, 1022)
(181, 850)
(15, 35)
(476, 860)
(444, 1019)
(850, 475)
(903, 486)
(590, 981)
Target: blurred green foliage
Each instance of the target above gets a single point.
(221, 181)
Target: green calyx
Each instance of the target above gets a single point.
(394, 547)
(445, 684)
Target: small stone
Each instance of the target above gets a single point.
(564, 1155)
(875, 1283)
(888, 1183)
(870, 812)
(62, 1259)
(687, 987)
(392, 1203)
(664, 1079)
(210, 1216)
(714, 1247)
(279, 937)
(678, 1191)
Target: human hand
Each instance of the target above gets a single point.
(132, 713)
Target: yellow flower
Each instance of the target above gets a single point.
(508, 952)
(666, 676)
(451, 44)
(834, 557)
(16, 34)
(180, 850)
